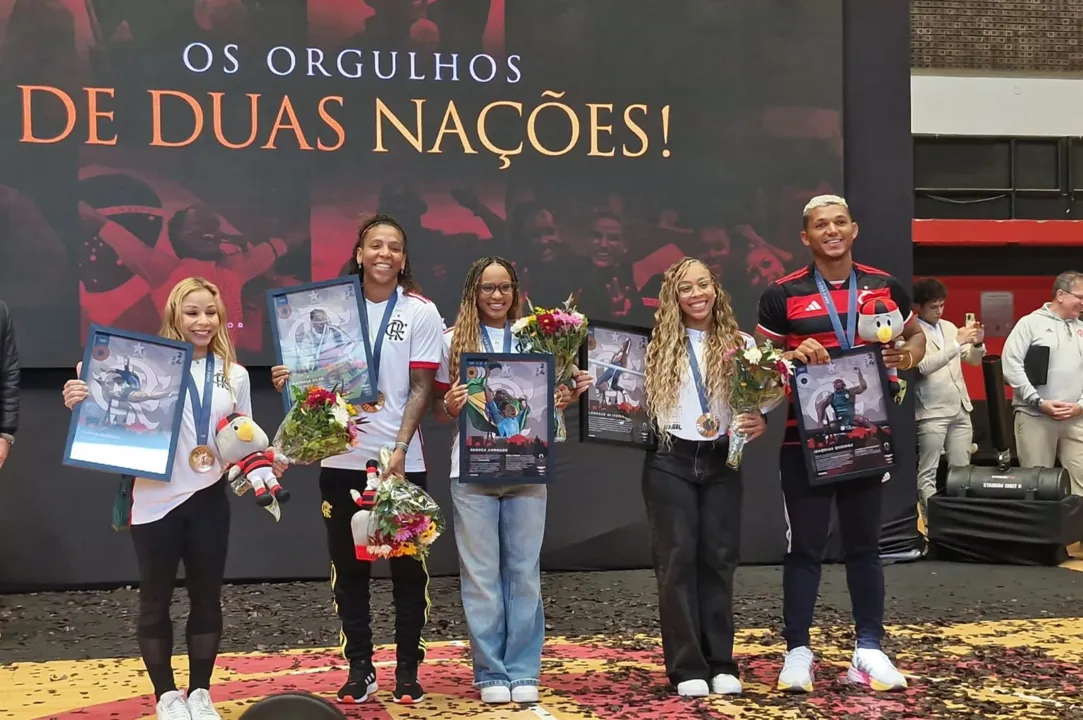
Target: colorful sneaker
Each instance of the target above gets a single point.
(875, 669)
(407, 689)
(200, 706)
(171, 706)
(796, 675)
(524, 694)
(360, 684)
(496, 694)
(725, 684)
(693, 688)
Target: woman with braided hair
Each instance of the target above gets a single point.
(498, 528)
(405, 331)
(693, 498)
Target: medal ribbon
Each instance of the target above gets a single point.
(378, 344)
(488, 343)
(846, 341)
(701, 389)
(201, 410)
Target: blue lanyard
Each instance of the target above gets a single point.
(846, 341)
(701, 389)
(488, 343)
(201, 410)
(379, 344)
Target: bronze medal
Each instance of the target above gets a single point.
(707, 424)
(201, 459)
(376, 406)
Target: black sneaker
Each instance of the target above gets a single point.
(407, 689)
(359, 685)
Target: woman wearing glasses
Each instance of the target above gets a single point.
(498, 528)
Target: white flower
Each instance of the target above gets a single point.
(753, 355)
(520, 324)
(338, 412)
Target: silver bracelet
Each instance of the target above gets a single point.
(405, 447)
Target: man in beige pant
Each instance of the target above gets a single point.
(942, 404)
(1049, 414)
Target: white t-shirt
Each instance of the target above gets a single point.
(688, 409)
(412, 340)
(444, 381)
(153, 499)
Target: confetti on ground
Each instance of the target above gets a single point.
(977, 642)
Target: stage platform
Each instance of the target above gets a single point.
(993, 641)
(1006, 669)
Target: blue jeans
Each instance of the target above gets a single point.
(498, 532)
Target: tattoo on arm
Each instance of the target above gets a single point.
(421, 384)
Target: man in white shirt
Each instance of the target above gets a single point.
(942, 407)
(1048, 393)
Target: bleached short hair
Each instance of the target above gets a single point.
(823, 201)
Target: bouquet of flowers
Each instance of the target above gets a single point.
(762, 378)
(404, 520)
(321, 424)
(559, 331)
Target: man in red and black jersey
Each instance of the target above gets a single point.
(808, 313)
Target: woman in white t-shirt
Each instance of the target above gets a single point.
(498, 528)
(693, 498)
(188, 517)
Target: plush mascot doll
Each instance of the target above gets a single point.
(244, 446)
(359, 523)
(879, 321)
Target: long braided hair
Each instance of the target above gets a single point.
(406, 277)
(667, 352)
(467, 338)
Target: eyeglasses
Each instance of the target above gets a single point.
(685, 289)
(1077, 296)
(490, 288)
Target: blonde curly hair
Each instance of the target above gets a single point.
(667, 352)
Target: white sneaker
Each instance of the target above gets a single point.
(875, 669)
(200, 706)
(796, 675)
(724, 684)
(524, 694)
(496, 694)
(171, 706)
(693, 688)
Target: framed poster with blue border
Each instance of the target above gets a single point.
(506, 427)
(613, 410)
(130, 422)
(321, 333)
(841, 409)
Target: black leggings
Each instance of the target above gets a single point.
(198, 533)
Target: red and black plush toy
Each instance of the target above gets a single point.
(243, 445)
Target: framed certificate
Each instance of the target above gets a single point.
(842, 415)
(612, 411)
(130, 422)
(506, 428)
(321, 334)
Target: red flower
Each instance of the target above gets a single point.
(547, 323)
(318, 396)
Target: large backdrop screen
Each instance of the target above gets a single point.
(592, 143)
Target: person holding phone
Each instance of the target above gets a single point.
(187, 518)
(942, 404)
(810, 312)
(498, 528)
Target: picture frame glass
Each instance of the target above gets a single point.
(131, 419)
(506, 427)
(613, 409)
(841, 409)
(321, 334)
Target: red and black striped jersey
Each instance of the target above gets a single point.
(791, 308)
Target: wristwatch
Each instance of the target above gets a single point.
(1036, 401)
(9, 437)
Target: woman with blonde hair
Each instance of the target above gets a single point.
(188, 517)
(693, 498)
(498, 528)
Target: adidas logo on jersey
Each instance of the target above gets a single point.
(814, 306)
